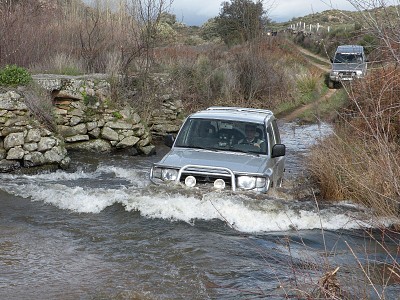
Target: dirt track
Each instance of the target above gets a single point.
(297, 112)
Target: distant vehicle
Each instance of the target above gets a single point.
(225, 147)
(348, 63)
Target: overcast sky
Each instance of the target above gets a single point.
(196, 12)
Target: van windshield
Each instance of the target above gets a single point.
(351, 58)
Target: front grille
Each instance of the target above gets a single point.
(206, 170)
(347, 74)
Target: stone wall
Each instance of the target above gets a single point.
(24, 142)
(85, 118)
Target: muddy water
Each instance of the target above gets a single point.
(101, 231)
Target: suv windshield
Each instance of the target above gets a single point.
(352, 58)
(225, 135)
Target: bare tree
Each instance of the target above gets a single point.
(22, 25)
(147, 14)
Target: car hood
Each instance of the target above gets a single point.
(348, 67)
(237, 162)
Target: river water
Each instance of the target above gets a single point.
(100, 230)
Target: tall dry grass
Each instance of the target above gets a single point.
(35, 33)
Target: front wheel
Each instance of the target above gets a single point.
(331, 84)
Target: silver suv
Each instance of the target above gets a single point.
(348, 63)
(225, 148)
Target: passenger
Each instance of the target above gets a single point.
(251, 139)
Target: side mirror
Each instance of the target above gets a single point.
(278, 150)
(169, 140)
(331, 59)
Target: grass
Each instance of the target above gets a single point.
(316, 60)
(327, 109)
(310, 89)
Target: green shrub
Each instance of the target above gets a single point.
(306, 84)
(14, 75)
(89, 99)
(117, 115)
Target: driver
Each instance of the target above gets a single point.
(250, 138)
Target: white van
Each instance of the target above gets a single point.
(348, 63)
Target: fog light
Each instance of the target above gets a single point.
(190, 181)
(219, 184)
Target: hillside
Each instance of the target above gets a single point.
(335, 19)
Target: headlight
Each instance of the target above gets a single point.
(335, 73)
(359, 73)
(169, 174)
(246, 182)
(250, 182)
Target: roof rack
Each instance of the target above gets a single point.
(241, 109)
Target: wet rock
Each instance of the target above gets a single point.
(30, 147)
(33, 135)
(55, 155)
(119, 125)
(14, 139)
(34, 159)
(80, 129)
(15, 153)
(91, 125)
(100, 146)
(77, 138)
(12, 101)
(95, 133)
(9, 165)
(148, 150)
(46, 143)
(8, 130)
(129, 141)
(109, 134)
(75, 121)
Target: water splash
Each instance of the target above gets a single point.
(85, 192)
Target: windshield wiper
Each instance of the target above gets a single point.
(197, 147)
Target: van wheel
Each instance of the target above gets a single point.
(331, 84)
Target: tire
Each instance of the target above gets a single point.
(331, 84)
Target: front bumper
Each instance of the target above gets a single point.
(344, 76)
(211, 175)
